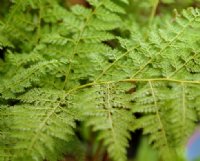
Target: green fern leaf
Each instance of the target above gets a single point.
(40, 125)
(25, 79)
(107, 111)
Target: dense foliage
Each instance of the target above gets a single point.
(69, 74)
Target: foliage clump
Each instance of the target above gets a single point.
(68, 74)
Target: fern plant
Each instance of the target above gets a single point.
(98, 69)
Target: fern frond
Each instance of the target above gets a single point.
(91, 36)
(4, 129)
(55, 39)
(86, 32)
(40, 125)
(4, 41)
(168, 114)
(154, 58)
(25, 78)
(24, 59)
(106, 108)
(182, 114)
(61, 65)
(151, 102)
(114, 7)
(177, 38)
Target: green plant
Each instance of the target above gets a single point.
(96, 69)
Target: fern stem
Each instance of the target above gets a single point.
(39, 23)
(161, 79)
(153, 11)
(183, 108)
(134, 80)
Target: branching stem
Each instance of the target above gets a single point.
(136, 80)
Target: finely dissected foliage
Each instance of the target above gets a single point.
(97, 66)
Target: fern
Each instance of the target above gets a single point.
(107, 111)
(39, 119)
(99, 66)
